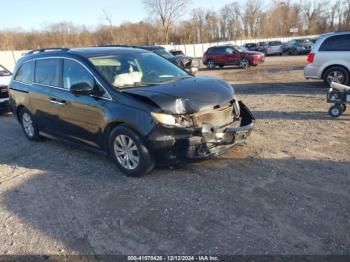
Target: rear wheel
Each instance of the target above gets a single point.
(211, 64)
(129, 152)
(335, 110)
(29, 125)
(221, 66)
(336, 74)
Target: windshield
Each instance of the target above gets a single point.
(163, 53)
(275, 43)
(250, 45)
(137, 69)
(240, 49)
(4, 71)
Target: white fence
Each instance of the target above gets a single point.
(9, 58)
(197, 50)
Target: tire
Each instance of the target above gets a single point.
(129, 152)
(211, 65)
(335, 111)
(221, 66)
(343, 108)
(244, 63)
(336, 74)
(29, 125)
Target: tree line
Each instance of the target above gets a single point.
(171, 21)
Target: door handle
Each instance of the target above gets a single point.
(57, 101)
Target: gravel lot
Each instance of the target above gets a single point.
(285, 192)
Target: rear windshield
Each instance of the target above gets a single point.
(275, 43)
(250, 45)
(163, 53)
(177, 52)
(4, 71)
(303, 41)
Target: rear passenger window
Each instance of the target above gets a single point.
(25, 73)
(47, 72)
(336, 43)
(74, 73)
(220, 50)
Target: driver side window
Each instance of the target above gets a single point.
(229, 51)
(74, 73)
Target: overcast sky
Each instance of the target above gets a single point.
(35, 14)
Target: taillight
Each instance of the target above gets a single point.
(311, 58)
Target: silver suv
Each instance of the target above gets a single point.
(330, 59)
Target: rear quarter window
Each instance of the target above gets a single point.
(25, 73)
(336, 43)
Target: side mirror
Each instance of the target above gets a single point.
(194, 70)
(81, 89)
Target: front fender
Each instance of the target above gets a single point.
(140, 121)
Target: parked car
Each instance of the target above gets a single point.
(299, 46)
(271, 47)
(231, 55)
(130, 103)
(180, 59)
(5, 78)
(330, 59)
(274, 48)
(251, 46)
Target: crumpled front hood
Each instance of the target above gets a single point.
(188, 95)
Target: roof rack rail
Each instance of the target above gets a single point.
(42, 50)
(112, 45)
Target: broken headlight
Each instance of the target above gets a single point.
(170, 120)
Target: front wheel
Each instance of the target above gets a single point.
(244, 63)
(29, 125)
(129, 152)
(211, 65)
(335, 111)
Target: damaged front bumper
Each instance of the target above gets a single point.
(174, 144)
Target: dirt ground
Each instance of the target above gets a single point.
(286, 191)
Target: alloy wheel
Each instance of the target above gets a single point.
(211, 64)
(126, 152)
(244, 63)
(335, 76)
(28, 124)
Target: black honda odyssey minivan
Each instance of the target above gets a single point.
(126, 102)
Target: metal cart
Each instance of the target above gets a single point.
(339, 96)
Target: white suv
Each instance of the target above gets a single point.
(5, 78)
(330, 59)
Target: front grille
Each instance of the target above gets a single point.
(217, 117)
